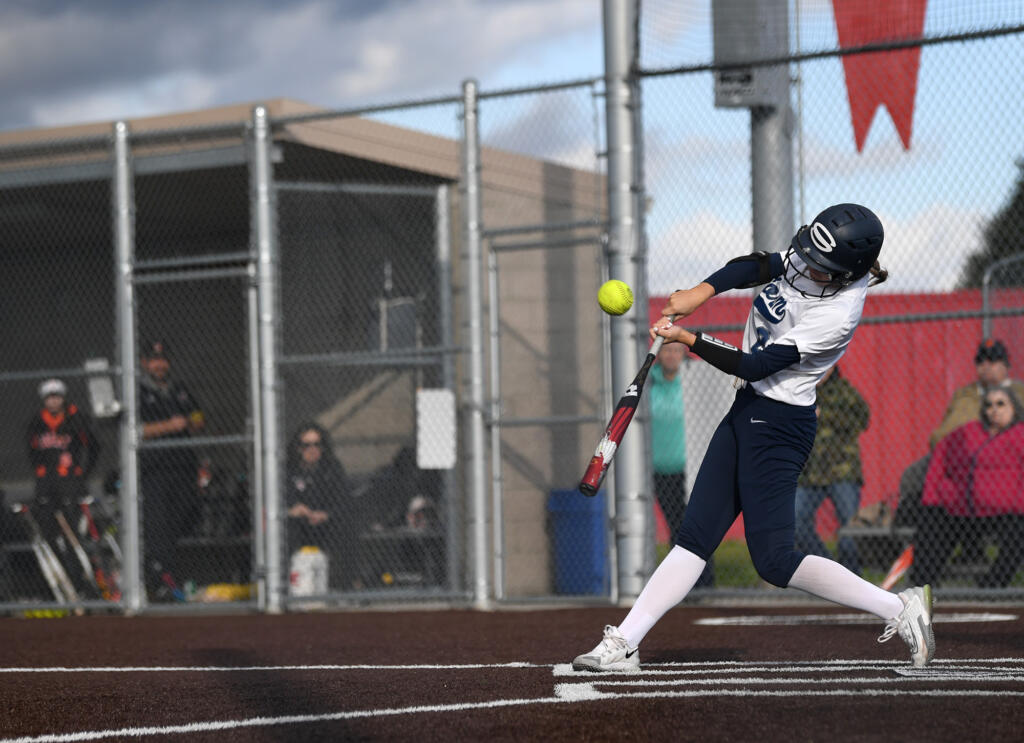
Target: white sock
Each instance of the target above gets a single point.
(828, 579)
(673, 579)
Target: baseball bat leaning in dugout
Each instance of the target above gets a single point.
(624, 410)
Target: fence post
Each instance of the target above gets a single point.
(632, 501)
(471, 225)
(124, 241)
(986, 297)
(443, 238)
(265, 235)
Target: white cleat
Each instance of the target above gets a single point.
(612, 654)
(914, 624)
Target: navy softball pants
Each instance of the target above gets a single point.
(751, 466)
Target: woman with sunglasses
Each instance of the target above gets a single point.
(320, 512)
(975, 487)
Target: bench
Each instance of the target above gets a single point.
(878, 546)
(405, 556)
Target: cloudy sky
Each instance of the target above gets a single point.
(67, 62)
(63, 61)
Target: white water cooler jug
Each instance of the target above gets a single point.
(308, 574)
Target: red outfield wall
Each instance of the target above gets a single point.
(906, 369)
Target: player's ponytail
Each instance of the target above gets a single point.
(878, 274)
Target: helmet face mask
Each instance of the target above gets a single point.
(843, 241)
(794, 271)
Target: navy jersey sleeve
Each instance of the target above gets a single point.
(748, 366)
(746, 272)
(771, 359)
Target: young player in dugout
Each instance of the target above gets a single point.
(800, 325)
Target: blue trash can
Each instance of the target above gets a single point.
(579, 542)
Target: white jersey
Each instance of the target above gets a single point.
(821, 329)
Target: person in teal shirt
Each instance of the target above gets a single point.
(668, 435)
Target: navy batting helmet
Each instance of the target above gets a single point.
(843, 241)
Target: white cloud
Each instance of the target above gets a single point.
(927, 251)
(107, 65)
(687, 251)
(188, 91)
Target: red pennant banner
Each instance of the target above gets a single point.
(878, 78)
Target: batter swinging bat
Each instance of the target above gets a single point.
(617, 426)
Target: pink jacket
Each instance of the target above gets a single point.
(973, 474)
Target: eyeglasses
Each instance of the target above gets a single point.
(997, 404)
(310, 444)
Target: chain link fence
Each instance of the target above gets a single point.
(59, 317)
(935, 164)
(368, 356)
(307, 361)
(549, 389)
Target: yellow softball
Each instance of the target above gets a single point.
(615, 297)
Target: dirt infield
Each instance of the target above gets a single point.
(804, 674)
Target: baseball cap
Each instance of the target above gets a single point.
(52, 387)
(991, 350)
(153, 349)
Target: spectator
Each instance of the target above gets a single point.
(167, 474)
(974, 486)
(62, 451)
(833, 470)
(992, 365)
(669, 442)
(318, 514)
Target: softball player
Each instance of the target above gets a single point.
(799, 326)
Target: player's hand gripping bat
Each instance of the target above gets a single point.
(617, 426)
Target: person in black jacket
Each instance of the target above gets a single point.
(62, 451)
(168, 475)
(321, 512)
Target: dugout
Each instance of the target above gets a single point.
(359, 209)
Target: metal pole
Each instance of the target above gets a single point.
(497, 493)
(632, 501)
(443, 238)
(771, 153)
(124, 239)
(259, 543)
(265, 235)
(471, 208)
(986, 309)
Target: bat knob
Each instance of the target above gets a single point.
(592, 477)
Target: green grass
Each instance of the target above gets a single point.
(734, 569)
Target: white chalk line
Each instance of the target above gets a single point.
(761, 620)
(731, 666)
(582, 691)
(250, 669)
(773, 680)
(584, 694)
(564, 694)
(566, 669)
(559, 669)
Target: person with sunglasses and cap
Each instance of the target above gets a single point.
(975, 487)
(992, 364)
(62, 451)
(167, 474)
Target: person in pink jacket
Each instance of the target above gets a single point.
(974, 488)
